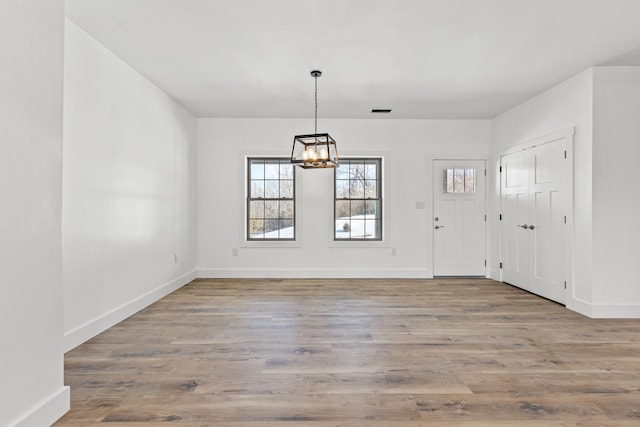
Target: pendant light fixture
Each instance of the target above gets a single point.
(316, 150)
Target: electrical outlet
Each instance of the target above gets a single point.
(394, 252)
(234, 251)
(175, 258)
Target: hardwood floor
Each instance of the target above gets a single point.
(352, 353)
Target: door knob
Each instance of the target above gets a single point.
(531, 227)
(525, 226)
(439, 226)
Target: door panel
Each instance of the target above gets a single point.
(459, 219)
(532, 237)
(515, 207)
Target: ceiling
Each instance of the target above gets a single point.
(432, 59)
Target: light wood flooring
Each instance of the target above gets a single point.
(380, 353)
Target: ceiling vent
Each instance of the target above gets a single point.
(381, 110)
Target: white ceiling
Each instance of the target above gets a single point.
(422, 58)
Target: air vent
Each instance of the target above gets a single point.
(381, 110)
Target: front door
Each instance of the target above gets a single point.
(459, 218)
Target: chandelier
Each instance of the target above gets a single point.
(316, 150)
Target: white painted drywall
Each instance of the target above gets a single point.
(31, 358)
(408, 147)
(567, 105)
(616, 192)
(128, 190)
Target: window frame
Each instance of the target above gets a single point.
(380, 198)
(248, 240)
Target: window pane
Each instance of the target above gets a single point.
(342, 209)
(372, 209)
(286, 209)
(470, 181)
(374, 228)
(271, 189)
(286, 171)
(458, 180)
(257, 190)
(286, 189)
(272, 170)
(271, 209)
(371, 171)
(343, 229)
(357, 208)
(448, 181)
(357, 170)
(342, 171)
(256, 228)
(257, 169)
(356, 189)
(271, 227)
(357, 229)
(342, 189)
(256, 209)
(370, 189)
(286, 229)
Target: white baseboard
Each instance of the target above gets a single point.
(92, 328)
(228, 273)
(48, 411)
(604, 311)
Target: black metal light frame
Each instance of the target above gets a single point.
(316, 150)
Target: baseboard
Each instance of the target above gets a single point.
(604, 311)
(48, 411)
(92, 328)
(248, 273)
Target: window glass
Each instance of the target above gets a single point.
(271, 199)
(358, 199)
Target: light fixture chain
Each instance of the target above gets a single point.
(316, 113)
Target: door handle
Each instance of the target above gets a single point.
(525, 226)
(438, 227)
(531, 227)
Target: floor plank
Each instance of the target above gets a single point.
(356, 352)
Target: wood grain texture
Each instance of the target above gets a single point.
(379, 353)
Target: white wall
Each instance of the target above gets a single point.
(128, 190)
(408, 147)
(567, 105)
(616, 192)
(31, 358)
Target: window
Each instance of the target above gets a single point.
(459, 180)
(271, 199)
(358, 199)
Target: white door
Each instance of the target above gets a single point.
(515, 217)
(533, 219)
(459, 218)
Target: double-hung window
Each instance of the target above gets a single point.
(271, 208)
(358, 199)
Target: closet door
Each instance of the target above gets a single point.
(533, 216)
(514, 234)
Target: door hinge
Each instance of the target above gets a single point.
(565, 284)
(485, 262)
(565, 154)
(500, 217)
(500, 265)
(565, 219)
(500, 169)
(485, 217)
(485, 172)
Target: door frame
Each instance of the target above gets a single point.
(567, 189)
(430, 197)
